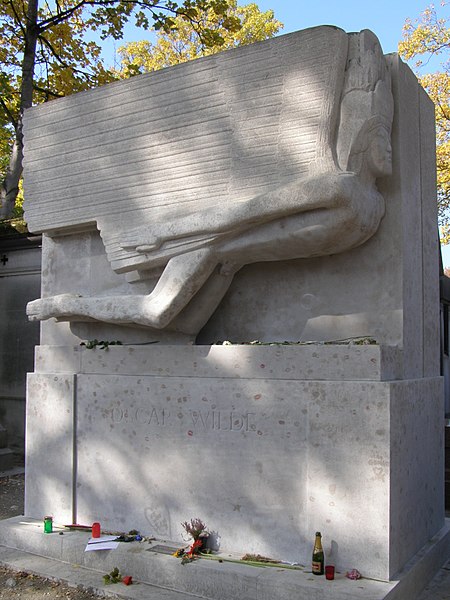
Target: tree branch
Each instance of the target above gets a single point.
(64, 15)
(45, 42)
(48, 92)
(61, 16)
(63, 63)
(9, 113)
(17, 17)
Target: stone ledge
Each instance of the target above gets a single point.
(317, 362)
(25, 546)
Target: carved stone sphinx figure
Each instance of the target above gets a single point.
(332, 208)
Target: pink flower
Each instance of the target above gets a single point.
(353, 574)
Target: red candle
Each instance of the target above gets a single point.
(95, 530)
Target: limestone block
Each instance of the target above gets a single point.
(254, 456)
(57, 359)
(431, 240)
(386, 288)
(417, 455)
(49, 446)
(309, 362)
(406, 425)
(28, 535)
(252, 439)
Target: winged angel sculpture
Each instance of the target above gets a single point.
(286, 168)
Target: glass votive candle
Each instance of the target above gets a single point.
(329, 571)
(48, 524)
(95, 530)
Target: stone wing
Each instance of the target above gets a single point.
(188, 138)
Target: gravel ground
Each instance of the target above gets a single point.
(31, 587)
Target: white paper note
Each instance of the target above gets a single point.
(105, 542)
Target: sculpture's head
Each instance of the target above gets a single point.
(379, 153)
(371, 152)
(367, 109)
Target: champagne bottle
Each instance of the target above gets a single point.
(318, 560)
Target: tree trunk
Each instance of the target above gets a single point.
(10, 186)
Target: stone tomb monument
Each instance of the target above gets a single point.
(283, 191)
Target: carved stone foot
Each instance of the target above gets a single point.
(54, 306)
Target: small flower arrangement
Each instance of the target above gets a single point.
(116, 577)
(197, 531)
(195, 528)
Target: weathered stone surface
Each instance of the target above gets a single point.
(208, 579)
(220, 115)
(49, 440)
(386, 288)
(308, 362)
(267, 444)
(250, 455)
(318, 197)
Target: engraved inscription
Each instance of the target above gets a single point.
(199, 420)
(220, 420)
(145, 416)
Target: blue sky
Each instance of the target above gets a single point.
(384, 17)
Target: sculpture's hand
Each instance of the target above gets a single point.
(141, 240)
(187, 228)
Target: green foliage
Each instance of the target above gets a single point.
(101, 344)
(46, 53)
(424, 38)
(6, 140)
(64, 62)
(15, 222)
(224, 27)
(113, 577)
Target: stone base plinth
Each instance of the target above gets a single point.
(25, 547)
(252, 440)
